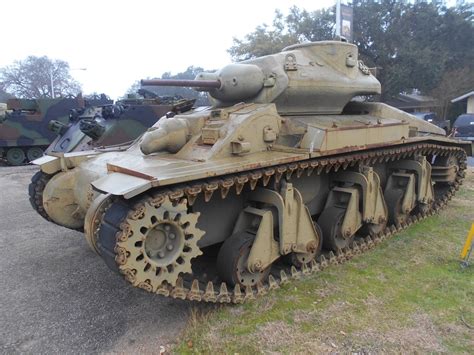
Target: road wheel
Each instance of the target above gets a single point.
(298, 259)
(15, 156)
(394, 200)
(34, 153)
(331, 224)
(372, 229)
(232, 261)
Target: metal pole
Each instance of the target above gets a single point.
(52, 83)
(338, 18)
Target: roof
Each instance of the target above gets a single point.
(411, 101)
(465, 96)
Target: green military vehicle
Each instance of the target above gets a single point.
(112, 124)
(283, 175)
(24, 133)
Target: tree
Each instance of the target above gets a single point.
(453, 83)
(411, 45)
(188, 93)
(32, 77)
(133, 89)
(414, 45)
(298, 26)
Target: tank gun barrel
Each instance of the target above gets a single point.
(202, 84)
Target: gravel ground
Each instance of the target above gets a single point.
(57, 296)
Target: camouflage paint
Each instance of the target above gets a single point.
(26, 121)
(136, 117)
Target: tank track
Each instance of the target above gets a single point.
(35, 192)
(201, 290)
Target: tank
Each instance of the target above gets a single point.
(102, 127)
(288, 171)
(24, 133)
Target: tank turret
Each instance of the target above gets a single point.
(320, 77)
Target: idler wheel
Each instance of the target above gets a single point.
(331, 225)
(232, 261)
(156, 243)
(394, 200)
(35, 192)
(448, 161)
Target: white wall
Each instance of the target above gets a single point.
(470, 104)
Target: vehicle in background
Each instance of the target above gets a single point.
(431, 117)
(464, 127)
(24, 133)
(113, 124)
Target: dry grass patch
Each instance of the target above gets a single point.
(405, 296)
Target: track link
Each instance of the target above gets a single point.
(201, 290)
(35, 192)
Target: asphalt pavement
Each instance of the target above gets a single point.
(57, 296)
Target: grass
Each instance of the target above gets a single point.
(407, 295)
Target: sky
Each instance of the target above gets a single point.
(119, 42)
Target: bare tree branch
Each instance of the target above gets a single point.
(31, 78)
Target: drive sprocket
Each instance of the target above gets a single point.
(156, 242)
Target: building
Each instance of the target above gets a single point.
(469, 97)
(414, 103)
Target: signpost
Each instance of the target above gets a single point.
(344, 21)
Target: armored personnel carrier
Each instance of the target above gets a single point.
(283, 175)
(24, 133)
(104, 126)
(113, 124)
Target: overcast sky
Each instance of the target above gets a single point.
(120, 42)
